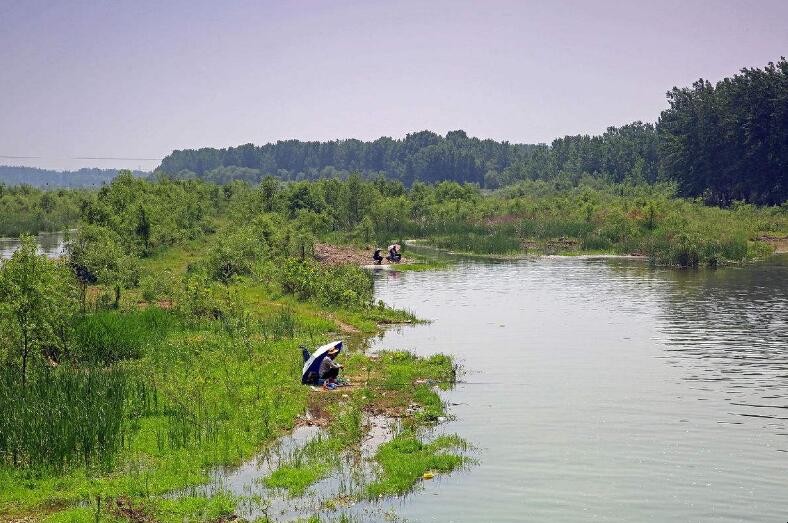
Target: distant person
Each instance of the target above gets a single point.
(377, 256)
(329, 369)
(394, 254)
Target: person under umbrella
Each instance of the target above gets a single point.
(329, 369)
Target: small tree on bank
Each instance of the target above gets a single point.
(37, 297)
(96, 256)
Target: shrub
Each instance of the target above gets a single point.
(233, 254)
(340, 286)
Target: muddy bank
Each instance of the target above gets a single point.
(329, 254)
(780, 245)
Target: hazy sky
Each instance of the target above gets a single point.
(136, 79)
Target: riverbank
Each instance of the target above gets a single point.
(214, 381)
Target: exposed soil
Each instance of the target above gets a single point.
(328, 254)
(123, 509)
(780, 244)
(343, 327)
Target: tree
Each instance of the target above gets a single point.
(729, 141)
(143, 229)
(96, 256)
(37, 300)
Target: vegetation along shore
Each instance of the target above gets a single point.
(163, 344)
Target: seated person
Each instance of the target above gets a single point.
(394, 254)
(329, 369)
(377, 256)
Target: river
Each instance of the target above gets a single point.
(596, 389)
(605, 390)
(50, 243)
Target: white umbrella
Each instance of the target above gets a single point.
(312, 365)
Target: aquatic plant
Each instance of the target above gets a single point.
(405, 460)
(63, 417)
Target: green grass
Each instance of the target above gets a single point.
(64, 417)
(209, 381)
(615, 220)
(81, 515)
(320, 456)
(217, 391)
(189, 509)
(297, 478)
(394, 382)
(109, 336)
(406, 458)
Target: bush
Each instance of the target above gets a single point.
(341, 286)
(157, 287)
(233, 254)
(346, 286)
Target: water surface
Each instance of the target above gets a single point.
(606, 390)
(50, 243)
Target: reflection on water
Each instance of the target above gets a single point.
(607, 390)
(730, 333)
(50, 243)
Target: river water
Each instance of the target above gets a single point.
(605, 390)
(50, 243)
(594, 389)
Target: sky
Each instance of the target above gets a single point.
(87, 83)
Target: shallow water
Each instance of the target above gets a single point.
(605, 389)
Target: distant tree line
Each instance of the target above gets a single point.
(722, 143)
(46, 178)
(730, 141)
(620, 153)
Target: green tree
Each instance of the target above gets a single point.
(96, 256)
(143, 229)
(37, 301)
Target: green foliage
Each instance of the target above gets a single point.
(233, 253)
(406, 458)
(27, 210)
(341, 286)
(495, 242)
(628, 152)
(96, 256)
(38, 300)
(145, 215)
(729, 141)
(62, 417)
(107, 337)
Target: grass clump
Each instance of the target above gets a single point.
(320, 456)
(109, 336)
(189, 509)
(397, 384)
(63, 417)
(402, 368)
(405, 459)
(297, 478)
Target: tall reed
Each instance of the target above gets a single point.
(63, 417)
